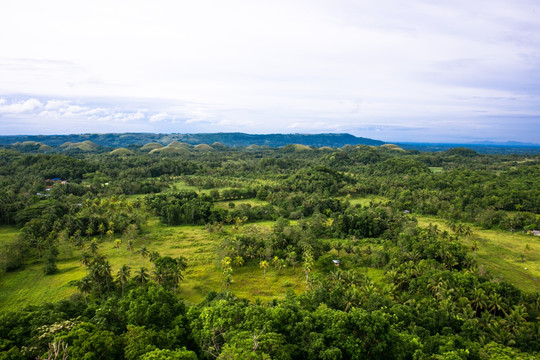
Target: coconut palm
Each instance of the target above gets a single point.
(130, 248)
(85, 286)
(308, 264)
(264, 265)
(101, 230)
(338, 246)
(496, 303)
(123, 276)
(142, 276)
(93, 246)
(291, 257)
(238, 261)
(153, 256)
(160, 276)
(117, 244)
(143, 251)
(86, 260)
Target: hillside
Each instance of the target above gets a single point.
(228, 139)
(373, 252)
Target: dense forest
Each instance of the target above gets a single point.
(374, 252)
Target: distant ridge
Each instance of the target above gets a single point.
(227, 139)
(510, 147)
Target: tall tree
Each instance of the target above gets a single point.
(264, 265)
(123, 276)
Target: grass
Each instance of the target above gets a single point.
(252, 202)
(500, 253)
(8, 233)
(365, 201)
(436, 169)
(30, 286)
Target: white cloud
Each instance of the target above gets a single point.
(20, 106)
(159, 117)
(125, 117)
(272, 65)
(56, 104)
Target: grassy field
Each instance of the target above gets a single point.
(8, 233)
(511, 257)
(30, 286)
(501, 253)
(252, 202)
(365, 201)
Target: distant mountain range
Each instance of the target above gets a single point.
(510, 147)
(103, 142)
(227, 139)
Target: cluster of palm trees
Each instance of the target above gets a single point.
(99, 278)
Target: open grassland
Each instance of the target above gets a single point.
(8, 233)
(30, 286)
(365, 201)
(251, 202)
(512, 257)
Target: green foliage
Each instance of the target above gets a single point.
(179, 354)
(87, 342)
(404, 289)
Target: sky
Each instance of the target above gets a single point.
(398, 71)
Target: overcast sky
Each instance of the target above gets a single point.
(417, 70)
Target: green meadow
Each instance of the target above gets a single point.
(30, 286)
(512, 257)
(508, 256)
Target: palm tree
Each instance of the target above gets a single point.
(350, 298)
(79, 242)
(496, 303)
(474, 246)
(264, 265)
(143, 251)
(181, 265)
(515, 320)
(89, 231)
(467, 231)
(123, 276)
(160, 276)
(153, 256)
(117, 244)
(227, 271)
(101, 230)
(85, 286)
(142, 276)
(86, 260)
(338, 246)
(281, 264)
(104, 274)
(291, 258)
(238, 261)
(130, 249)
(308, 264)
(93, 246)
